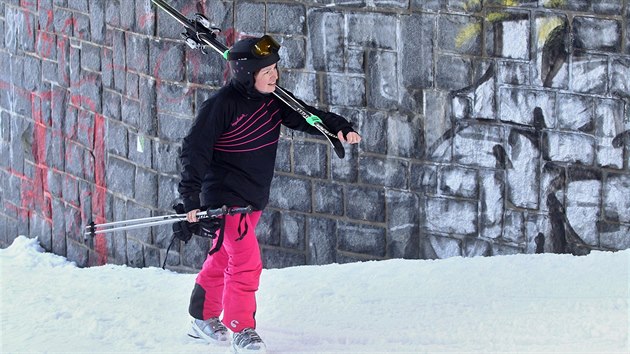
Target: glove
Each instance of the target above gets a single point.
(208, 227)
(184, 230)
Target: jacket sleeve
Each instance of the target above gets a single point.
(196, 154)
(334, 122)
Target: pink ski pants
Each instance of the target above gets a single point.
(229, 278)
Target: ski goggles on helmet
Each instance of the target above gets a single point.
(263, 48)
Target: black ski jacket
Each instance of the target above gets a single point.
(229, 154)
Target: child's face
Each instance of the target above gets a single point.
(265, 79)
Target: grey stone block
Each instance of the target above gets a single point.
(127, 15)
(363, 239)
(423, 178)
(382, 80)
(326, 39)
(492, 203)
(275, 258)
(582, 208)
(172, 127)
(438, 247)
(144, 24)
(374, 132)
(344, 90)
(589, 73)
(137, 53)
(77, 253)
(130, 110)
(365, 203)
(58, 227)
(135, 256)
(523, 178)
(451, 216)
(453, 72)
(569, 147)
(575, 113)
(597, 34)
(112, 105)
(136, 211)
(286, 18)
(268, 228)
(607, 130)
(146, 187)
(166, 157)
(520, 106)
(205, 69)
(32, 73)
(293, 231)
(81, 28)
(360, 30)
(416, 50)
(614, 236)
(131, 88)
(120, 176)
(346, 169)
(425, 5)
(310, 159)
(112, 12)
(302, 84)
(117, 138)
(41, 228)
(174, 98)
(97, 21)
(402, 136)
(151, 257)
(290, 193)
(509, 36)
(476, 248)
(293, 53)
(460, 34)
(119, 59)
(249, 18)
(518, 3)
(167, 194)
(283, 155)
(322, 240)
(576, 5)
(513, 73)
(475, 145)
(514, 226)
(387, 172)
(459, 182)
(195, 252)
(74, 229)
(403, 217)
(166, 60)
(140, 149)
(615, 203)
(620, 76)
(328, 198)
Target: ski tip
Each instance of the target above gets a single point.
(339, 149)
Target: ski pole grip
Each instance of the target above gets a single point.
(246, 210)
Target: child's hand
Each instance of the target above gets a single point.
(352, 138)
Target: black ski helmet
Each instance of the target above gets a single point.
(249, 55)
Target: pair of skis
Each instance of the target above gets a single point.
(200, 34)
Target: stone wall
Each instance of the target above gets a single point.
(490, 126)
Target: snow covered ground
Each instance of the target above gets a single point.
(522, 303)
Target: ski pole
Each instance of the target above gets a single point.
(94, 229)
(199, 33)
